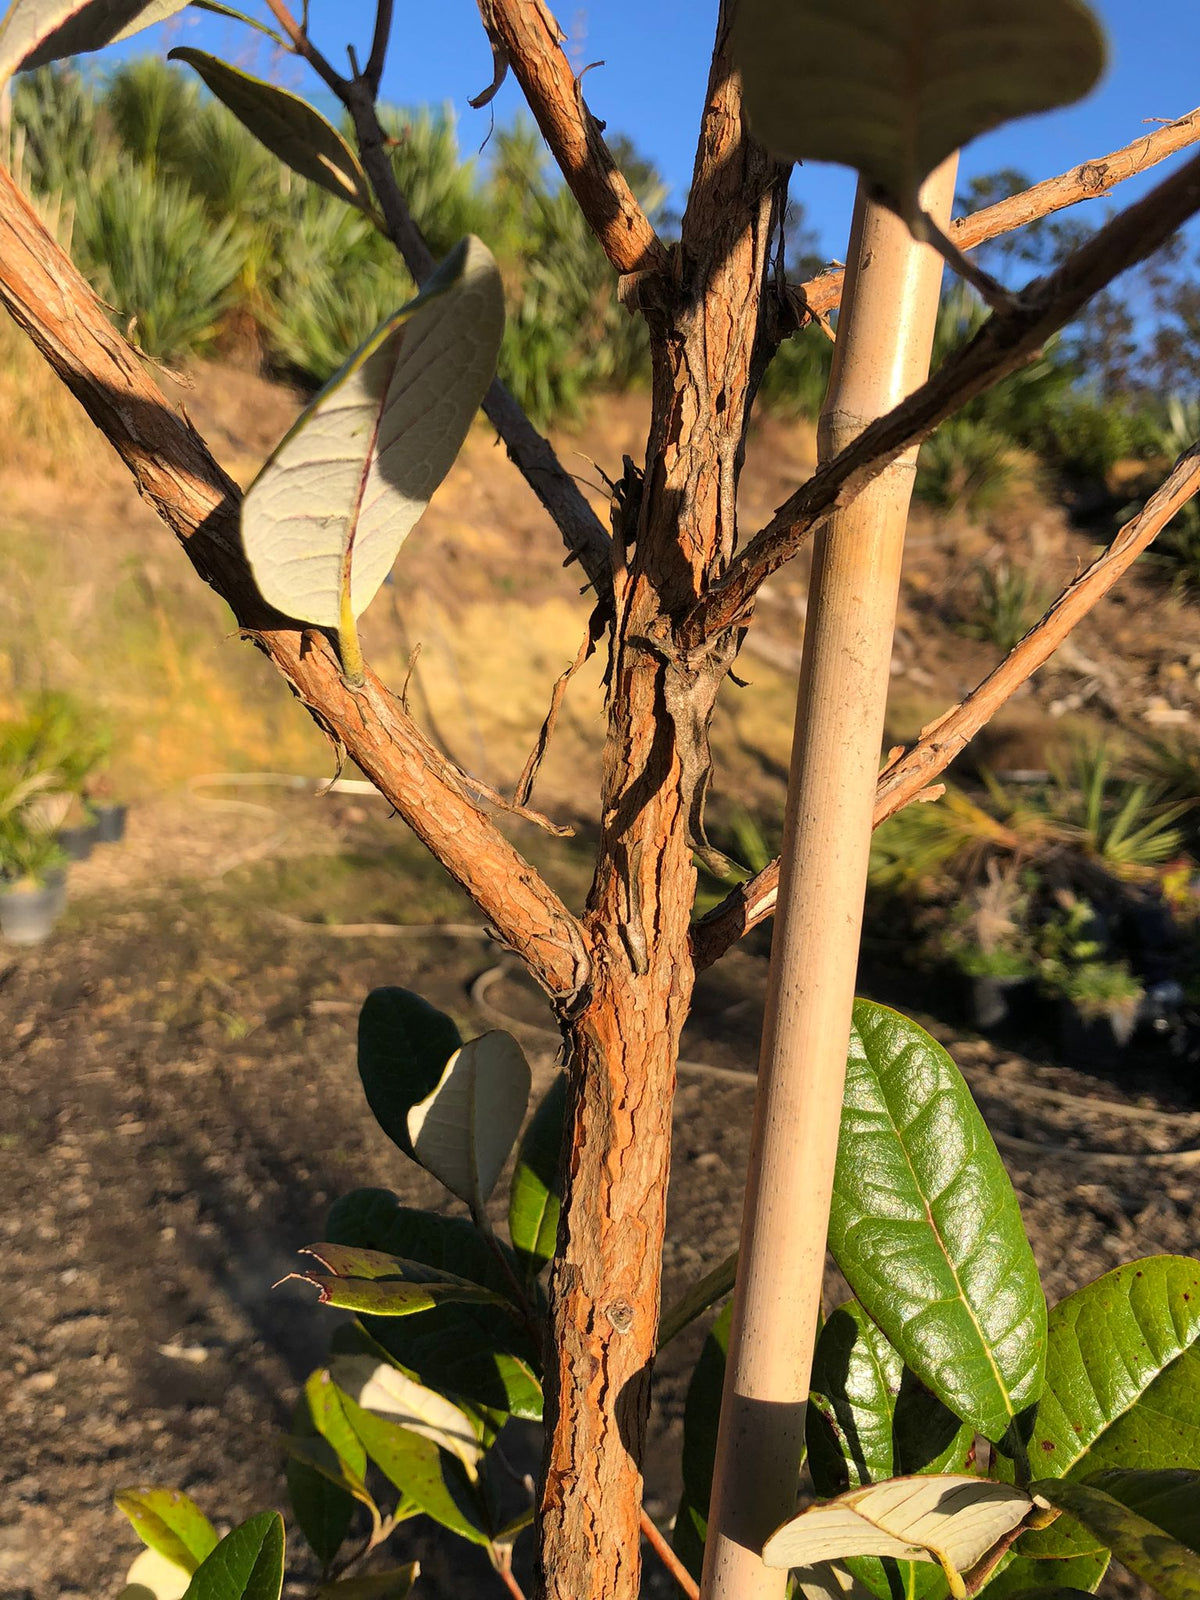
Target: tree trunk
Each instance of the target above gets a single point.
(624, 1042)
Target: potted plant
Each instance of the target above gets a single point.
(107, 815)
(988, 941)
(33, 883)
(1100, 1010)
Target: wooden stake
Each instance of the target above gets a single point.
(884, 339)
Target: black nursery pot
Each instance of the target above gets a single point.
(992, 1001)
(76, 843)
(109, 823)
(1093, 1041)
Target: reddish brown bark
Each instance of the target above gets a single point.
(529, 36)
(605, 1288)
(174, 471)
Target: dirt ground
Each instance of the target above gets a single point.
(181, 1098)
(183, 1105)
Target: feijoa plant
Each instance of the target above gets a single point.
(959, 1438)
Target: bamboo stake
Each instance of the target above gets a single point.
(885, 336)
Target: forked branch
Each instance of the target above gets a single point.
(903, 779)
(1005, 342)
(176, 473)
(1088, 181)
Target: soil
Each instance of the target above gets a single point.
(183, 1103)
(186, 1107)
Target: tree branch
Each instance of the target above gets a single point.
(373, 72)
(1005, 342)
(533, 455)
(1088, 181)
(532, 42)
(904, 778)
(176, 474)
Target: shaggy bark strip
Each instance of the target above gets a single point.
(605, 1287)
(175, 472)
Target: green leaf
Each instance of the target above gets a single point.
(322, 1458)
(1152, 1555)
(246, 1565)
(535, 1197)
(424, 1474)
(323, 1507)
(1170, 1499)
(869, 1419)
(287, 126)
(704, 1293)
(153, 1577)
(380, 1387)
(952, 1519)
(926, 1228)
(325, 518)
(393, 1585)
(170, 1522)
(463, 1350)
(33, 32)
(404, 1044)
(1122, 1383)
(891, 87)
(463, 1130)
(1018, 1574)
(388, 1286)
(701, 1414)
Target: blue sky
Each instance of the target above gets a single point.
(651, 85)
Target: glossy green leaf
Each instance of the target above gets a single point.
(703, 1293)
(701, 1413)
(892, 87)
(1151, 1554)
(286, 125)
(325, 518)
(952, 1519)
(393, 1585)
(404, 1044)
(466, 1126)
(535, 1197)
(33, 32)
(388, 1286)
(1018, 1574)
(868, 1419)
(170, 1522)
(424, 1474)
(1170, 1499)
(323, 1507)
(153, 1577)
(926, 1228)
(246, 1565)
(380, 1387)
(462, 1350)
(1122, 1383)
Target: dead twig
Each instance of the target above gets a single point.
(595, 630)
